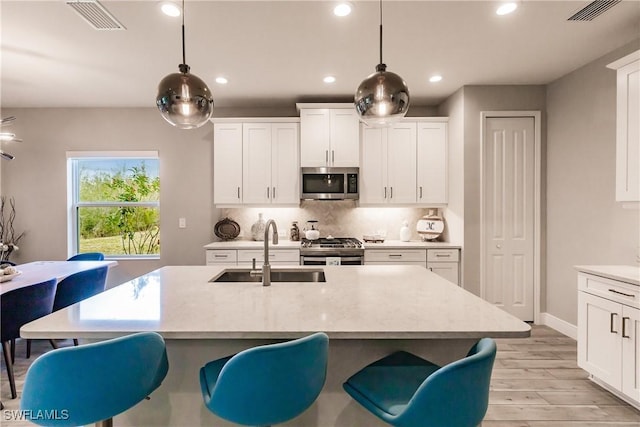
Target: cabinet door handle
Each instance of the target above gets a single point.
(333, 157)
(613, 331)
(391, 190)
(267, 192)
(421, 192)
(326, 156)
(238, 192)
(395, 255)
(621, 293)
(274, 193)
(220, 256)
(443, 255)
(385, 192)
(624, 328)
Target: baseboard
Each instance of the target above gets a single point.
(559, 325)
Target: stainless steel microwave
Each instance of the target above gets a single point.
(329, 183)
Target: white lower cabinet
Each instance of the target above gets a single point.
(395, 257)
(244, 257)
(445, 263)
(609, 333)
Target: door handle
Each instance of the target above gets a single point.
(273, 193)
(391, 196)
(267, 192)
(499, 246)
(624, 329)
(621, 293)
(238, 192)
(326, 156)
(421, 192)
(385, 192)
(333, 157)
(613, 331)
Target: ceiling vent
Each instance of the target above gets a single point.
(95, 14)
(593, 10)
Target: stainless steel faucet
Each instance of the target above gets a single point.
(266, 268)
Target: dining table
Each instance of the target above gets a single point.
(35, 272)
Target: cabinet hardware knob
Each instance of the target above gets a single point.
(613, 331)
(621, 293)
(624, 329)
(499, 246)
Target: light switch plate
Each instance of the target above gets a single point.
(182, 222)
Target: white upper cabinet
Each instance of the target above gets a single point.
(432, 163)
(405, 164)
(270, 164)
(628, 128)
(256, 163)
(227, 163)
(329, 137)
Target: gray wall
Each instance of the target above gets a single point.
(584, 223)
(37, 179)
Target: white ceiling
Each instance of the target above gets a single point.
(275, 53)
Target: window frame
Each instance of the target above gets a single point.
(73, 194)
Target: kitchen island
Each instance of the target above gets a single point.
(367, 311)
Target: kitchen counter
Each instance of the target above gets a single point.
(418, 244)
(624, 273)
(367, 311)
(252, 244)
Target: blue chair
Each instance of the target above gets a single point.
(18, 307)
(269, 384)
(94, 382)
(88, 256)
(405, 390)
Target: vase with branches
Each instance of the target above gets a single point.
(8, 237)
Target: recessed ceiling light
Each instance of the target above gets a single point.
(435, 78)
(342, 9)
(221, 80)
(506, 8)
(329, 79)
(170, 9)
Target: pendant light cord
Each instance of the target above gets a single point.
(184, 61)
(380, 31)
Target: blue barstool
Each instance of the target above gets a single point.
(94, 382)
(269, 384)
(18, 307)
(88, 256)
(405, 390)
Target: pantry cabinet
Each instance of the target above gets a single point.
(609, 333)
(256, 162)
(627, 127)
(329, 137)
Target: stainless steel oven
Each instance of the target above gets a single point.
(329, 183)
(332, 251)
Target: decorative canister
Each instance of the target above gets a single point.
(257, 229)
(405, 233)
(430, 226)
(295, 232)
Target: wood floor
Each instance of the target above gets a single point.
(536, 383)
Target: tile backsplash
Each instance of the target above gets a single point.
(337, 218)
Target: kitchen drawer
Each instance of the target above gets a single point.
(443, 255)
(221, 256)
(613, 290)
(394, 256)
(275, 255)
(448, 270)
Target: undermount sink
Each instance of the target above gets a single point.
(279, 275)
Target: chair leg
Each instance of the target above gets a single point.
(75, 342)
(13, 351)
(53, 344)
(105, 423)
(6, 352)
(28, 348)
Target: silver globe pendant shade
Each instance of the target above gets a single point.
(383, 97)
(184, 100)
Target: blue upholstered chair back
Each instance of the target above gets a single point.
(455, 395)
(270, 384)
(88, 256)
(79, 286)
(97, 381)
(22, 305)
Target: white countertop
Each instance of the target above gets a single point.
(624, 273)
(355, 302)
(288, 244)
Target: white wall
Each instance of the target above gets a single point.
(584, 223)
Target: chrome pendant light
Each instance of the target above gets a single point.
(184, 100)
(383, 97)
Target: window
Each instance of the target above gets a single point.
(114, 201)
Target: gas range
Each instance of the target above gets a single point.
(332, 247)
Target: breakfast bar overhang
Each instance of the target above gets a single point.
(367, 311)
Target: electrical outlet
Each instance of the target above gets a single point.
(182, 222)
